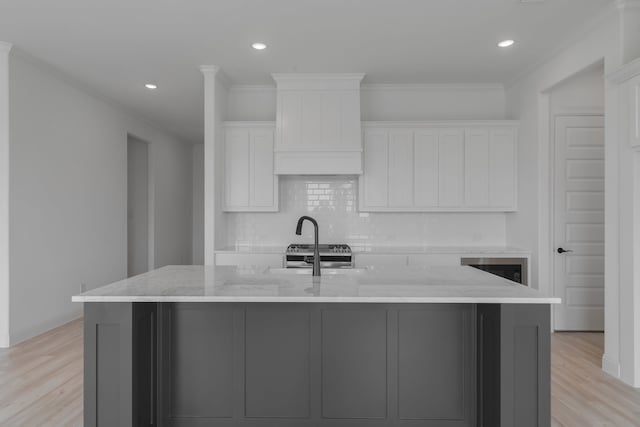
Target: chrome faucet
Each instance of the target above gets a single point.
(316, 251)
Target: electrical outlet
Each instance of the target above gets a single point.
(83, 287)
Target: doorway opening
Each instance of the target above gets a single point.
(138, 211)
(576, 126)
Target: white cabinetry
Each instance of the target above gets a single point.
(249, 181)
(439, 166)
(318, 124)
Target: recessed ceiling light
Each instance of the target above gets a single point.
(259, 46)
(151, 86)
(506, 43)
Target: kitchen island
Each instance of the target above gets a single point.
(251, 346)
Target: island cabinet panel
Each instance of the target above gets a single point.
(514, 378)
(316, 364)
(119, 365)
(277, 363)
(354, 363)
(200, 362)
(435, 357)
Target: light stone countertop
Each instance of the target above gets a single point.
(450, 284)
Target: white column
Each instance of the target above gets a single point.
(5, 48)
(209, 72)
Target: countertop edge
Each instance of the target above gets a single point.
(343, 300)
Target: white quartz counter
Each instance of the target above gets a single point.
(455, 284)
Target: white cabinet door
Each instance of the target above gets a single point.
(469, 168)
(249, 182)
(236, 169)
(476, 168)
(451, 168)
(400, 169)
(425, 168)
(264, 184)
(502, 170)
(374, 182)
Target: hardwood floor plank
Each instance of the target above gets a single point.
(41, 382)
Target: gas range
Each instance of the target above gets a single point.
(300, 255)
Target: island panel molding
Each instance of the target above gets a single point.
(256, 364)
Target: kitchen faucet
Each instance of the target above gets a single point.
(316, 251)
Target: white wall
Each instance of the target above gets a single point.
(582, 93)
(68, 196)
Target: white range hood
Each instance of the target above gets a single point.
(318, 124)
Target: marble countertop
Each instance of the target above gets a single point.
(382, 249)
(450, 284)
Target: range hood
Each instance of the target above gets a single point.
(318, 124)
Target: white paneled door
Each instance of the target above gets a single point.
(579, 223)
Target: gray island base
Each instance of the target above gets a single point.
(316, 364)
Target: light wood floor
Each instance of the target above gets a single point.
(41, 383)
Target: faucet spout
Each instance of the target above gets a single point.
(316, 251)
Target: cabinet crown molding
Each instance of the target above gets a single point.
(315, 81)
(442, 123)
(248, 124)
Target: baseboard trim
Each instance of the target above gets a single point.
(5, 341)
(43, 327)
(611, 366)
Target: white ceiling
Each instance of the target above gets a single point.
(115, 46)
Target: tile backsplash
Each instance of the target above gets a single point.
(333, 202)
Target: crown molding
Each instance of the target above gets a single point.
(439, 123)
(251, 88)
(626, 72)
(209, 69)
(317, 76)
(412, 87)
(5, 47)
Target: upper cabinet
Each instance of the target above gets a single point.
(318, 124)
(439, 166)
(249, 181)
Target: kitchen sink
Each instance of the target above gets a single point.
(324, 271)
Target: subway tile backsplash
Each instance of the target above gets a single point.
(333, 201)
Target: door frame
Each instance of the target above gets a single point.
(575, 112)
(150, 203)
(546, 180)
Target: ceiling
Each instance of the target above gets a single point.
(115, 46)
